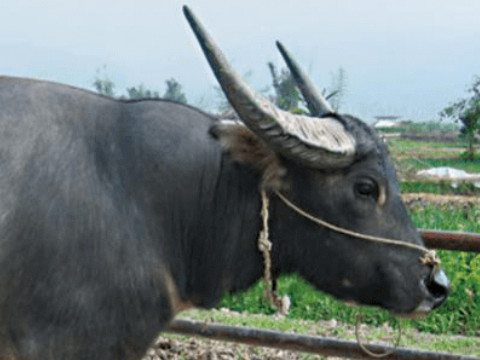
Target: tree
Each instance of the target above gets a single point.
(467, 111)
(338, 88)
(287, 96)
(174, 91)
(140, 92)
(102, 83)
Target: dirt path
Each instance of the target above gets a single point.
(203, 349)
(171, 346)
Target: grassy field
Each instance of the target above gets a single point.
(440, 187)
(400, 148)
(460, 314)
(415, 164)
(411, 156)
(422, 128)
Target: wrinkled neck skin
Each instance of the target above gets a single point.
(219, 236)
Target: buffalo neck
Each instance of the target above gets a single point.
(218, 238)
(204, 209)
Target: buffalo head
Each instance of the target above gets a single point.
(336, 168)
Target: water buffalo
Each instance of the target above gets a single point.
(116, 214)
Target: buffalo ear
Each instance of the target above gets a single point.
(245, 147)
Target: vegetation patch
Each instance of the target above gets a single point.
(421, 128)
(459, 315)
(442, 187)
(407, 168)
(401, 149)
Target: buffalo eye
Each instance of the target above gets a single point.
(366, 188)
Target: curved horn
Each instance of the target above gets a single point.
(320, 143)
(316, 103)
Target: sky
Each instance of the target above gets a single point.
(409, 58)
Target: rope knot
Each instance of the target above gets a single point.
(430, 259)
(264, 244)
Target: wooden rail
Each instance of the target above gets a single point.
(311, 344)
(451, 240)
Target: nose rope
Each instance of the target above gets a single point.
(429, 257)
(265, 246)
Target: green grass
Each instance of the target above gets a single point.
(415, 164)
(412, 156)
(448, 217)
(461, 312)
(391, 130)
(421, 128)
(459, 315)
(439, 187)
(404, 144)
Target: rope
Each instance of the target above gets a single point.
(282, 304)
(265, 246)
(368, 351)
(429, 257)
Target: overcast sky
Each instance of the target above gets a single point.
(408, 58)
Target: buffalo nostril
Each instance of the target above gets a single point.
(438, 286)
